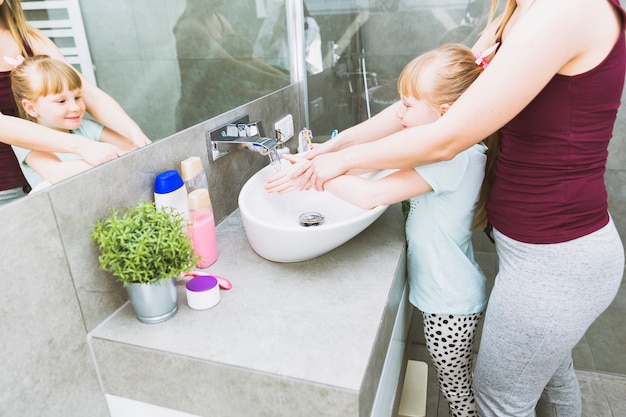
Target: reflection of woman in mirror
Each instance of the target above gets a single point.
(18, 39)
(272, 43)
(217, 70)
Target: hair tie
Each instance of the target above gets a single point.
(14, 61)
(480, 58)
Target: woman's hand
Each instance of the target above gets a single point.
(317, 149)
(97, 153)
(138, 138)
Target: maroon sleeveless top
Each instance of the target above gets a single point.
(10, 173)
(549, 174)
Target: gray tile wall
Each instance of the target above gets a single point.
(54, 292)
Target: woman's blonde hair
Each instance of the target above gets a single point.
(40, 76)
(440, 76)
(503, 18)
(12, 17)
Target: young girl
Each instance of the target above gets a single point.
(445, 282)
(48, 91)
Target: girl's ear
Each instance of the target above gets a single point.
(29, 107)
(443, 108)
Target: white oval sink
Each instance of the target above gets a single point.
(272, 221)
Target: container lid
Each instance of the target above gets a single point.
(201, 283)
(199, 198)
(168, 181)
(190, 167)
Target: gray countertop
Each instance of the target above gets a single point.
(308, 335)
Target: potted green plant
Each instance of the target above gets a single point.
(147, 249)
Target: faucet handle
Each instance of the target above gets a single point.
(244, 130)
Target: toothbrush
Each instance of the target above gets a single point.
(309, 137)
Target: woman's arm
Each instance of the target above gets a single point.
(380, 125)
(114, 138)
(109, 113)
(29, 135)
(99, 104)
(542, 42)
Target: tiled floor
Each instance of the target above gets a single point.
(604, 395)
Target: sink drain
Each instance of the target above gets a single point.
(311, 218)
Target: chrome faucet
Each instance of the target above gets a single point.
(241, 136)
(255, 144)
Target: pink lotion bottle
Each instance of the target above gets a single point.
(202, 227)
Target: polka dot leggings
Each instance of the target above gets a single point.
(449, 339)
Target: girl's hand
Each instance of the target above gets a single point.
(319, 170)
(282, 182)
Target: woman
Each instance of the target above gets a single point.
(553, 88)
(18, 39)
(213, 57)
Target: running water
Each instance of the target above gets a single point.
(274, 159)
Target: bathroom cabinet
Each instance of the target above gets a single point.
(310, 338)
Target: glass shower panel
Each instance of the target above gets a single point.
(366, 43)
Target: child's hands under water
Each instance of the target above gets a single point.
(283, 182)
(307, 170)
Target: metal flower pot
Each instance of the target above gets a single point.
(154, 303)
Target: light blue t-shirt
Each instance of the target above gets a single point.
(88, 128)
(444, 278)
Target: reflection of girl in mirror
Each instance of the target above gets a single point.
(217, 69)
(19, 38)
(48, 91)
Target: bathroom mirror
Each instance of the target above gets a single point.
(174, 63)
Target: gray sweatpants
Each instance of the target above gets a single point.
(544, 299)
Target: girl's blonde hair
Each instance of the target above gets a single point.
(439, 77)
(12, 17)
(39, 76)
